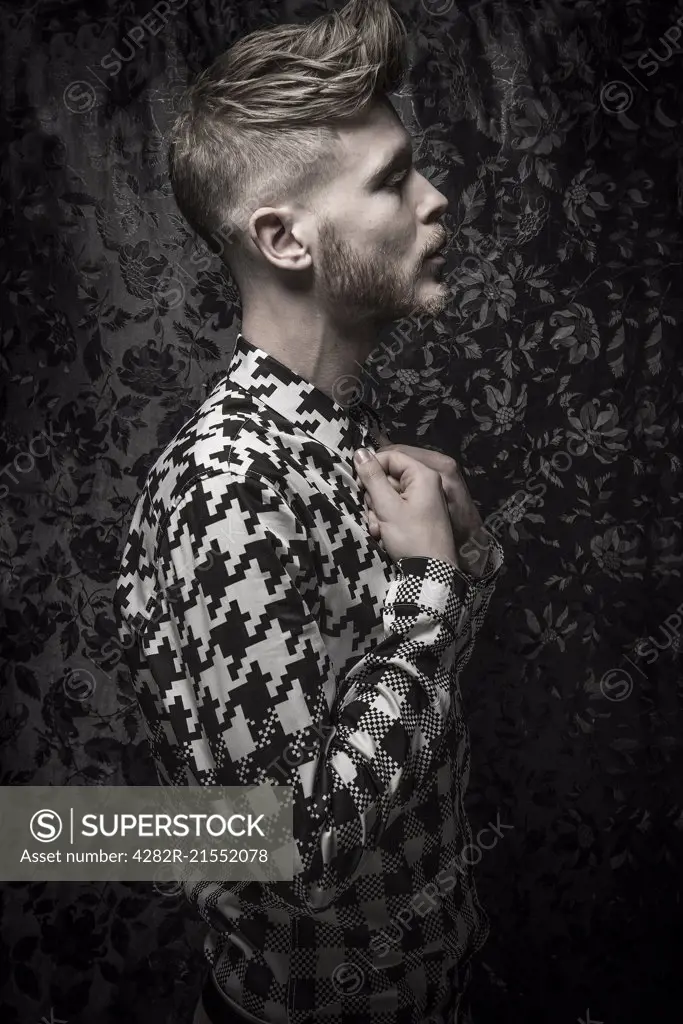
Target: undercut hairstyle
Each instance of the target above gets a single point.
(258, 127)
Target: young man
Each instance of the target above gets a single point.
(279, 630)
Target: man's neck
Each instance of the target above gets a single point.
(329, 358)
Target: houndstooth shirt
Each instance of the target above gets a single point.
(278, 643)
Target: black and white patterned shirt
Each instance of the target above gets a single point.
(278, 643)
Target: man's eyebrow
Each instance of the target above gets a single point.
(400, 158)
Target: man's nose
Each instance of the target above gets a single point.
(433, 204)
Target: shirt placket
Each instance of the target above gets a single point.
(363, 429)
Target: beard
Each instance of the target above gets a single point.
(370, 289)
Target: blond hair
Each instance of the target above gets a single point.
(258, 125)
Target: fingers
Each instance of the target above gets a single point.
(381, 466)
(372, 524)
(367, 498)
(369, 512)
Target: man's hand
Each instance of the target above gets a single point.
(469, 533)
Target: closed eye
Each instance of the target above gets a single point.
(395, 184)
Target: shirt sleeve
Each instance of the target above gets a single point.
(235, 639)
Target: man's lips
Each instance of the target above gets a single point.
(438, 250)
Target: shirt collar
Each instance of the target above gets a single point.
(268, 381)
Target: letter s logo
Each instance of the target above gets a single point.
(650, 63)
(45, 825)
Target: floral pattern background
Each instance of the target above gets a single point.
(554, 376)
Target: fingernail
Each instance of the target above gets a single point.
(362, 455)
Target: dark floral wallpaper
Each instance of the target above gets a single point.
(554, 376)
